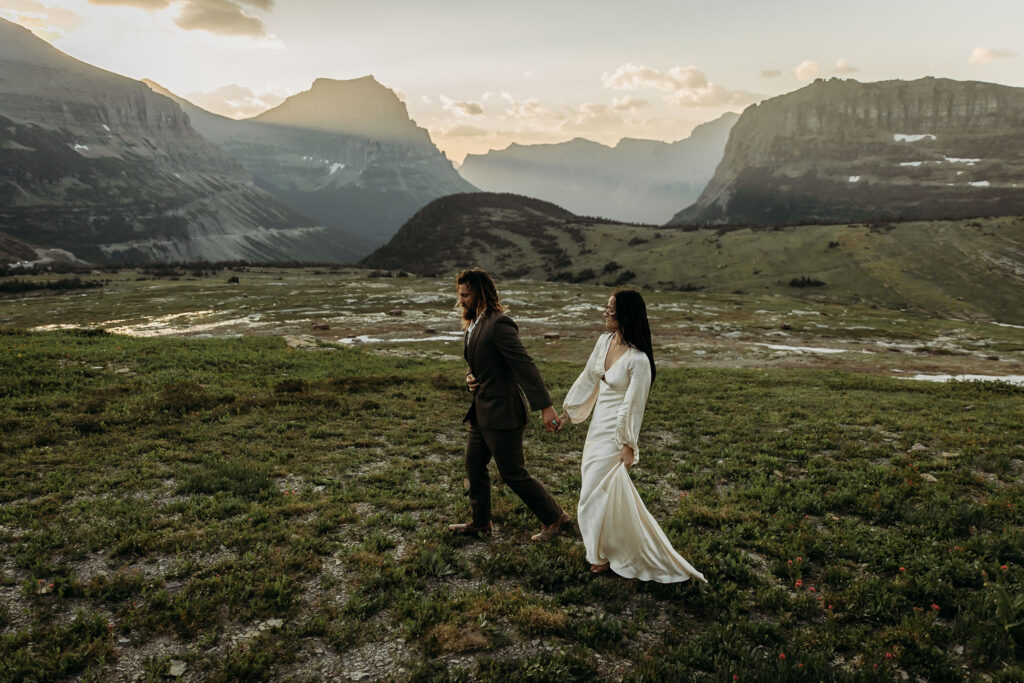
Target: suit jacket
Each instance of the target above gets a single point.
(510, 384)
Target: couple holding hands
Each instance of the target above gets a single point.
(618, 531)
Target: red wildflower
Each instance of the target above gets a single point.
(799, 583)
(935, 607)
(888, 655)
(902, 569)
(1003, 567)
(811, 589)
(782, 655)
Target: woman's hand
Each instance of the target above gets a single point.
(626, 456)
(564, 420)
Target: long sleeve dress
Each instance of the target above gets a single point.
(614, 522)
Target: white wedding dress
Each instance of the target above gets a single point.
(614, 522)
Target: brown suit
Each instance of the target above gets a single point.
(510, 386)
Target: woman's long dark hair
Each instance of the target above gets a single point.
(631, 315)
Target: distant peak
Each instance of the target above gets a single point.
(332, 83)
(361, 106)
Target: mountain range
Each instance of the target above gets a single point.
(345, 153)
(100, 165)
(839, 150)
(643, 181)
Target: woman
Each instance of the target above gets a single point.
(618, 531)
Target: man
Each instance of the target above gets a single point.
(505, 385)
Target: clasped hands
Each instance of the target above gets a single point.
(552, 421)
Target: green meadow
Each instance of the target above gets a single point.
(246, 508)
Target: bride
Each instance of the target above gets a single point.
(618, 531)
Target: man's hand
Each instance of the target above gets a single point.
(471, 383)
(550, 418)
(626, 456)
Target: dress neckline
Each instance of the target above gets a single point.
(604, 361)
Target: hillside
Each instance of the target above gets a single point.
(343, 152)
(98, 164)
(951, 268)
(642, 181)
(839, 151)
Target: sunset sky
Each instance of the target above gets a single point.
(480, 75)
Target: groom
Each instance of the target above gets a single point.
(505, 385)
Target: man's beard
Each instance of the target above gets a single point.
(469, 313)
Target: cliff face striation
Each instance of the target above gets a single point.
(841, 151)
(102, 166)
(637, 180)
(344, 152)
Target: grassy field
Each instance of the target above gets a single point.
(235, 508)
(967, 269)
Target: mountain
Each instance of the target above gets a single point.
(637, 180)
(99, 164)
(344, 152)
(462, 230)
(957, 268)
(839, 150)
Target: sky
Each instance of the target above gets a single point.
(481, 75)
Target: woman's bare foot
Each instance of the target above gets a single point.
(599, 568)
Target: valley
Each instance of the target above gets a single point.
(413, 316)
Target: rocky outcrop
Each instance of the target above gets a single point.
(344, 152)
(101, 165)
(841, 151)
(637, 180)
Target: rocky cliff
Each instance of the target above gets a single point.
(344, 152)
(101, 165)
(841, 151)
(637, 180)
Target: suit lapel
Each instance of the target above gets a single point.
(475, 337)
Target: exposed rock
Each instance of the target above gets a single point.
(839, 151)
(176, 668)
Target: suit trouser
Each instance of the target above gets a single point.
(506, 447)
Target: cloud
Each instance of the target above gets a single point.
(529, 111)
(236, 101)
(461, 107)
(771, 73)
(638, 77)
(681, 85)
(224, 17)
(49, 23)
(628, 103)
(807, 70)
(985, 55)
(221, 16)
(844, 67)
(593, 115)
(151, 5)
